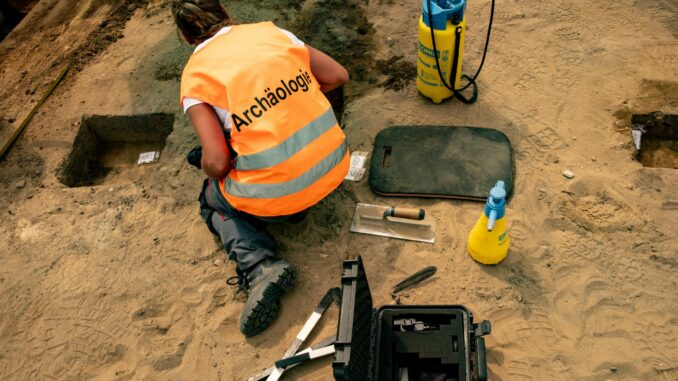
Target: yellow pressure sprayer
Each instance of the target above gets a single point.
(488, 242)
(442, 27)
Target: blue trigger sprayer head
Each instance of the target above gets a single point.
(496, 203)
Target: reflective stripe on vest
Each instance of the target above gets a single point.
(254, 190)
(289, 147)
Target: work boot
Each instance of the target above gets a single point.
(265, 284)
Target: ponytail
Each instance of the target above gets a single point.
(199, 20)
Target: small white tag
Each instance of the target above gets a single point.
(357, 169)
(148, 157)
(637, 136)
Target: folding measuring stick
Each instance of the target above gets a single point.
(302, 357)
(274, 372)
(321, 344)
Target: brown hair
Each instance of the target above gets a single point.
(199, 20)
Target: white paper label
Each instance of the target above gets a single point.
(357, 169)
(148, 157)
(637, 135)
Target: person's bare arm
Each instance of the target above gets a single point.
(329, 73)
(216, 160)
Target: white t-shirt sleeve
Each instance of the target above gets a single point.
(223, 115)
(190, 102)
(295, 40)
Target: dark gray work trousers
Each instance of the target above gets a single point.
(244, 235)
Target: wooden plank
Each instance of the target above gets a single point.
(6, 141)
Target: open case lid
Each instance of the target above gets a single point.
(354, 332)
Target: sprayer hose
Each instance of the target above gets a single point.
(472, 80)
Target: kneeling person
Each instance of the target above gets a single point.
(271, 145)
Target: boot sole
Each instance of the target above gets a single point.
(267, 303)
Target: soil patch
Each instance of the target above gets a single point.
(108, 32)
(665, 12)
(172, 65)
(399, 72)
(345, 34)
(281, 12)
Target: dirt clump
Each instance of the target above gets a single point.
(399, 72)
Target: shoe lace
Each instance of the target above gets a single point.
(240, 280)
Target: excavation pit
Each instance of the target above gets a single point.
(655, 137)
(107, 149)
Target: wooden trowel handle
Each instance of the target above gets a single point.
(409, 213)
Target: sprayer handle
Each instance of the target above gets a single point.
(409, 213)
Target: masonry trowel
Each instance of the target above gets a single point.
(397, 222)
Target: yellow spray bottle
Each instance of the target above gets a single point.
(488, 242)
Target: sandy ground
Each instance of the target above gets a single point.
(122, 280)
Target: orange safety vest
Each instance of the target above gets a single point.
(291, 152)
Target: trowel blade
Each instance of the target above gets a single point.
(369, 219)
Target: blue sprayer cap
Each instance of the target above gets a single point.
(443, 10)
(495, 208)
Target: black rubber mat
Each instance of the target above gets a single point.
(440, 161)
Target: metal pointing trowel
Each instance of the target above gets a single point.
(397, 222)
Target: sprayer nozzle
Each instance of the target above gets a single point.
(491, 220)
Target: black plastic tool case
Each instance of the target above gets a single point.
(433, 343)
